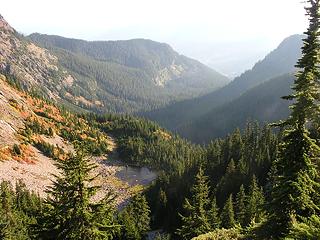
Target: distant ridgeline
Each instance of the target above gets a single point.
(127, 76)
(254, 95)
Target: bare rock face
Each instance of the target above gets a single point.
(4, 26)
(33, 66)
(167, 74)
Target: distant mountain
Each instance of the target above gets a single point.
(280, 61)
(262, 103)
(127, 76)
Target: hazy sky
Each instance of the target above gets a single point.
(199, 28)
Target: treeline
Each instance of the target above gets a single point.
(144, 143)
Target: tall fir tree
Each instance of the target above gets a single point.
(213, 215)
(70, 212)
(135, 219)
(255, 202)
(227, 214)
(241, 206)
(14, 222)
(295, 191)
(196, 221)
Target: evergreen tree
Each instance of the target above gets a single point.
(294, 191)
(135, 218)
(70, 212)
(13, 223)
(240, 206)
(214, 219)
(7, 219)
(255, 201)
(227, 214)
(307, 229)
(196, 222)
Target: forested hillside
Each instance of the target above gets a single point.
(262, 103)
(132, 75)
(280, 61)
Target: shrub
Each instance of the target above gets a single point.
(16, 149)
(221, 234)
(308, 229)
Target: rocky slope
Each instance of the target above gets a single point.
(34, 133)
(35, 67)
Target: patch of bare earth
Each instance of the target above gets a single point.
(37, 176)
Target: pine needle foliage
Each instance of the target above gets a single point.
(295, 190)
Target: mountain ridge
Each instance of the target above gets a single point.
(261, 103)
(100, 76)
(276, 63)
(166, 75)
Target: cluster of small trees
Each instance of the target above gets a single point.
(19, 210)
(203, 215)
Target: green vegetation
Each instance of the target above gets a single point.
(295, 187)
(221, 234)
(239, 163)
(220, 112)
(144, 143)
(19, 210)
(124, 75)
(135, 218)
(308, 228)
(267, 107)
(16, 149)
(196, 222)
(252, 184)
(49, 150)
(69, 210)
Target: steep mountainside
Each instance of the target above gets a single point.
(34, 134)
(35, 67)
(126, 76)
(262, 103)
(280, 61)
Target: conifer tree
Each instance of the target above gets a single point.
(308, 228)
(70, 211)
(135, 218)
(240, 206)
(196, 221)
(13, 223)
(255, 201)
(294, 191)
(227, 214)
(7, 220)
(213, 215)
